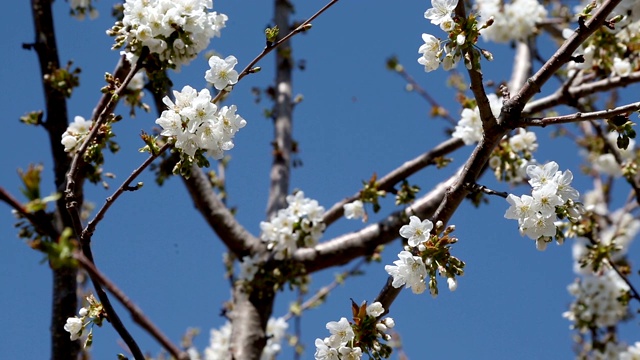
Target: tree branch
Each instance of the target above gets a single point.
(350, 246)
(511, 112)
(407, 169)
(282, 122)
(137, 314)
(237, 239)
(522, 66)
(569, 95)
(475, 76)
(560, 57)
(126, 186)
(64, 300)
(577, 117)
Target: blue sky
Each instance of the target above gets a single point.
(356, 119)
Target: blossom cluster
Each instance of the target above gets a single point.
(75, 134)
(433, 49)
(552, 194)
(76, 326)
(606, 163)
(220, 341)
(600, 293)
(469, 128)
(597, 301)
(365, 331)
(80, 8)
(510, 21)
(609, 51)
(298, 225)
(174, 30)
(195, 123)
(414, 271)
(91, 314)
(513, 154)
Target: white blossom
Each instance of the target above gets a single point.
(453, 283)
(300, 224)
(409, 270)
(221, 74)
(219, 343)
(165, 27)
(341, 332)
(469, 128)
(354, 210)
(75, 327)
(197, 124)
(375, 309)
(631, 353)
(350, 353)
(523, 140)
(441, 11)
(75, 133)
(430, 51)
(536, 214)
(249, 267)
(511, 21)
(417, 231)
(324, 351)
(621, 67)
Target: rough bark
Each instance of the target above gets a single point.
(64, 300)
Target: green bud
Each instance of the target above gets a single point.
(271, 34)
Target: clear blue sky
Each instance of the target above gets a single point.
(356, 119)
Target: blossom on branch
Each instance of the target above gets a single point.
(355, 210)
(431, 52)
(299, 225)
(511, 21)
(469, 128)
(75, 133)
(175, 31)
(196, 124)
(75, 327)
(222, 73)
(417, 231)
(410, 271)
(552, 194)
(220, 340)
(441, 11)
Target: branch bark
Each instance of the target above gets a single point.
(509, 116)
(283, 112)
(64, 300)
(407, 169)
(341, 250)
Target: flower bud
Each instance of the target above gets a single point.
(389, 322)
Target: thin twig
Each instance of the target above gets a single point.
(576, 92)
(510, 114)
(324, 291)
(475, 76)
(442, 112)
(407, 169)
(579, 116)
(102, 114)
(72, 209)
(474, 188)
(42, 224)
(631, 180)
(88, 231)
(272, 46)
(137, 314)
